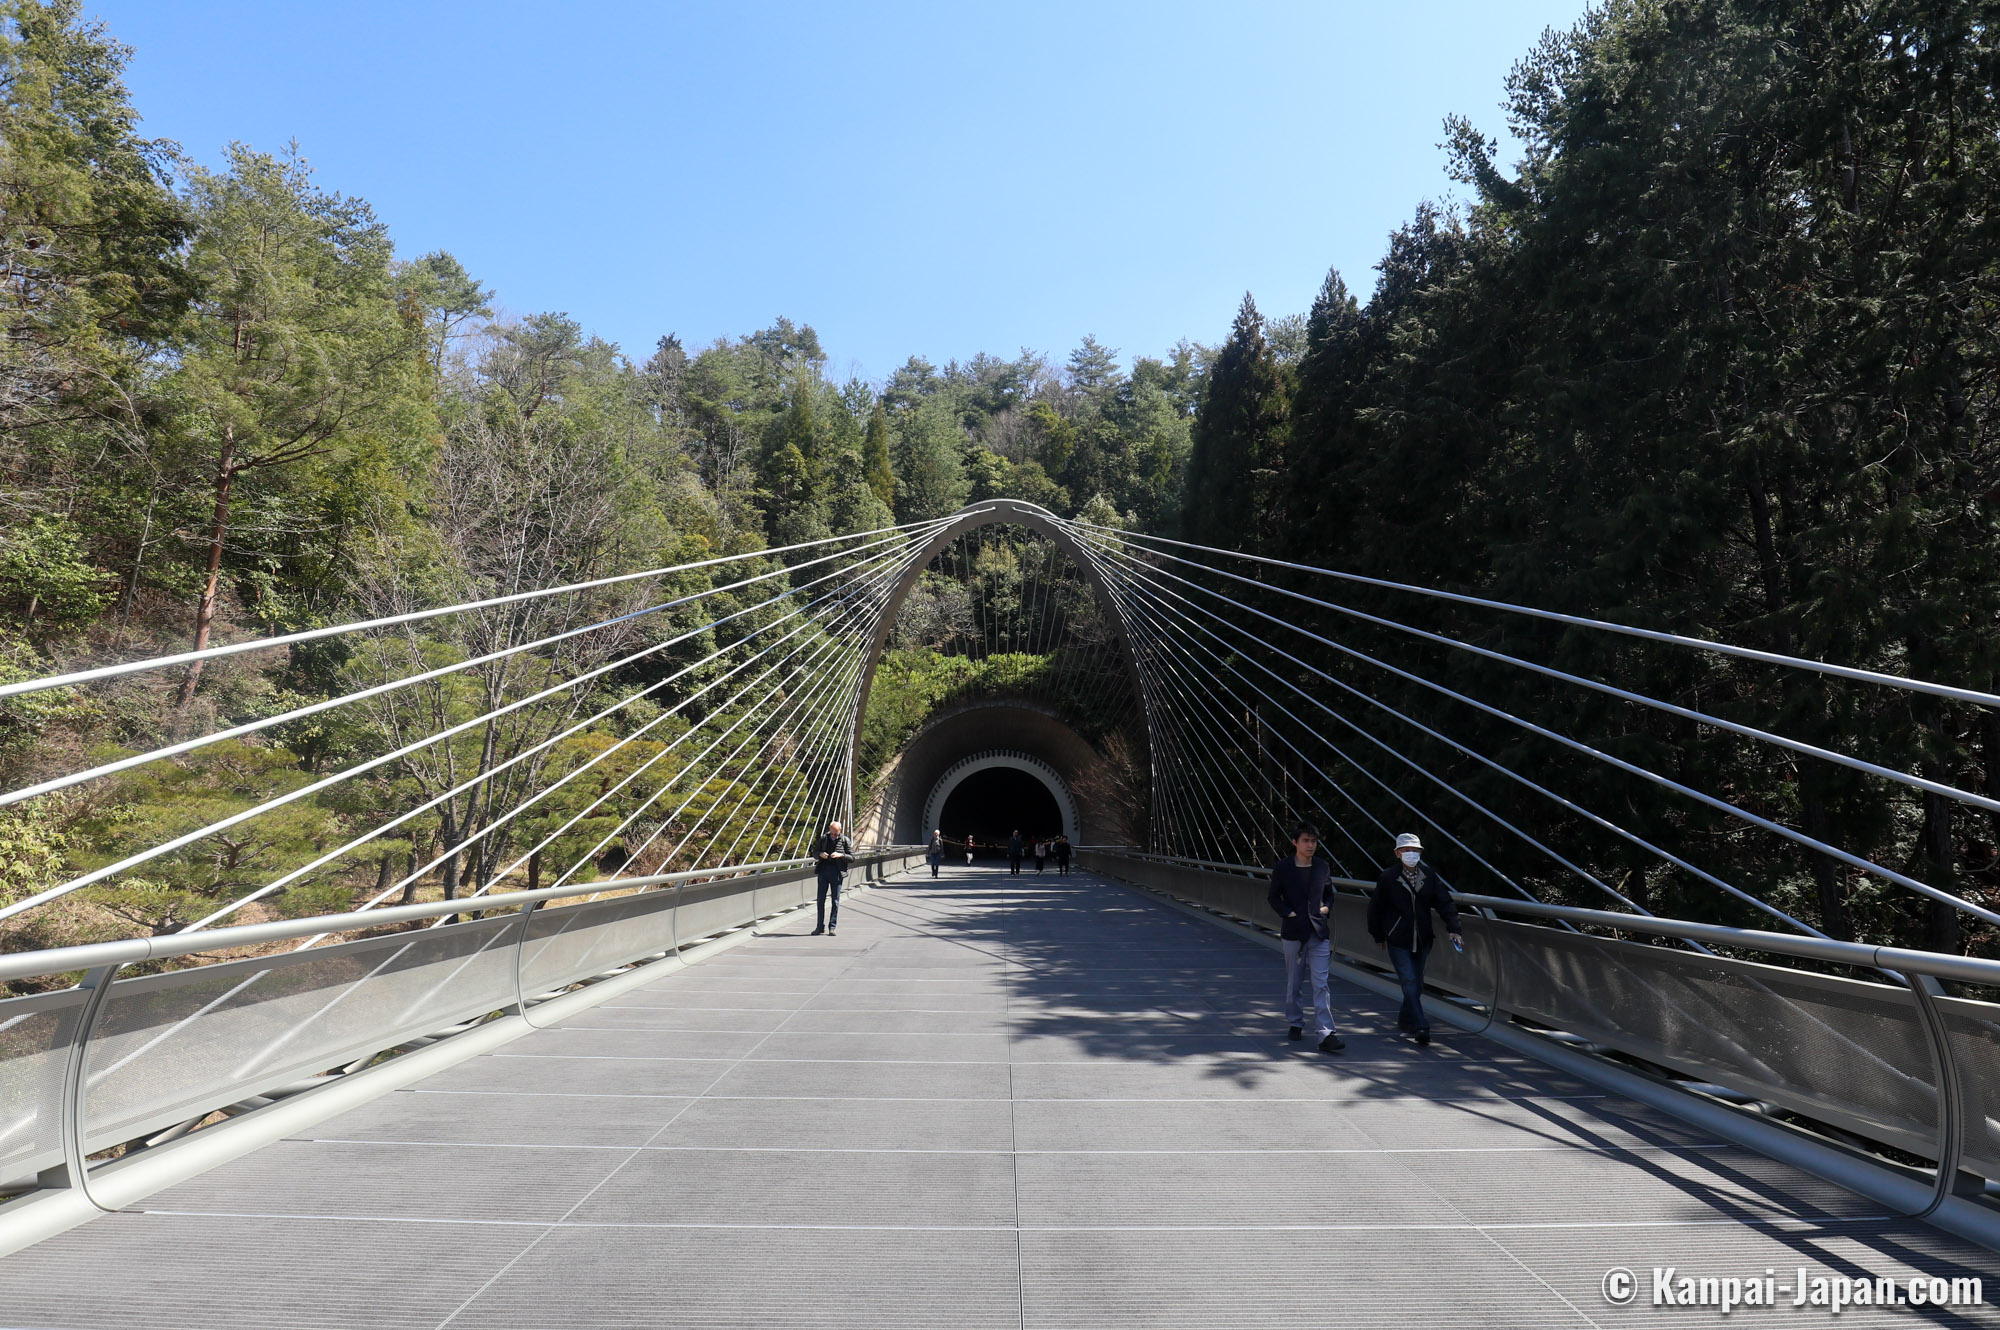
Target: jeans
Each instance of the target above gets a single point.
(936, 859)
(1410, 974)
(829, 884)
(1306, 972)
(1013, 863)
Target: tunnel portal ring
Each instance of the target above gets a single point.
(958, 771)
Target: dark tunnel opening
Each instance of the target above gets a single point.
(994, 803)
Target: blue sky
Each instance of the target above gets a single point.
(908, 178)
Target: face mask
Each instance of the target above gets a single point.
(1410, 857)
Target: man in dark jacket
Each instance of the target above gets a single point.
(832, 853)
(1302, 894)
(1014, 848)
(1399, 918)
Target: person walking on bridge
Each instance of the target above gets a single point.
(1302, 894)
(935, 850)
(1399, 919)
(1062, 856)
(1015, 846)
(1041, 852)
(832, 853)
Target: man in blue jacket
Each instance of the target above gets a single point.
(1399, 918)
(1302, 894)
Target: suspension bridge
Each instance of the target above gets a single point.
(512, 1012)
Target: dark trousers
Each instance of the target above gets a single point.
(829, 884)
(1410, 974)
(936, 859)
(1038, 863)
(1013, 863)
(1062, 866)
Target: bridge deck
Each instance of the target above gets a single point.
(986, 1102)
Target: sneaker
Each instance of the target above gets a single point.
(1333, 1043)
(831, 931)
(1295, 1033)
(1423, 1036)
(818, 931)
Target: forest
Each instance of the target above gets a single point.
(1715, 355)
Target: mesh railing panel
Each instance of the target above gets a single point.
(169, 1045)
(578, 941)
(1974, 1029)
(35, 1035)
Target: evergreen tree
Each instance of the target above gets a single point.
(876, 466)
(1238, 439)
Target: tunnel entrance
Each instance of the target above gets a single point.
(994, 803)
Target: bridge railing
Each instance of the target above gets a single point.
(143, 1059)
(1898, 1063)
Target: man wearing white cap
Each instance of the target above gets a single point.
(1399, 918)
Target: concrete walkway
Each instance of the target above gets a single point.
(989, 1101)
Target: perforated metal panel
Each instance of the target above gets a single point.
(1975, 1044)
(34, 1054)
(577, 941)
(1840, 1050)
(171, 1044)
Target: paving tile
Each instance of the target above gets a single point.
(501, 1119)
(862, 1080)
(577, 1042)
(844, 1124)
(955, 1046)
(334, 1179)
(896, 1188)
(1222, 1124)
(204, 1272)
(1389, 1280)
(556, 1075)
(709, 1279)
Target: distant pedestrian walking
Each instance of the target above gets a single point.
(1399, 918)
(832, 853)
(1014, 849)
(1302, 895)
(1062, 855)
(935, 851)
(968, 848)
(1041, 852)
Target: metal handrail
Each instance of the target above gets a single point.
(133, 951)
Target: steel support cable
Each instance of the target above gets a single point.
(830, 643)
(1649, 634)
(1751, 1054)
(1142, 685)
(818, 650)
(810, 695)
(823, 785)
(1160, 661)
(394, 685)
(1387, 834)
(1595, 819)
(306, 791)
(1193, 794)
(414, 616)
(1720, 805)
(1214, 735)
(502, 874)
(1407, 761)
(504, 819)
(489, 772)
(817, 786)
(1392, 793)
(1626, 695)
